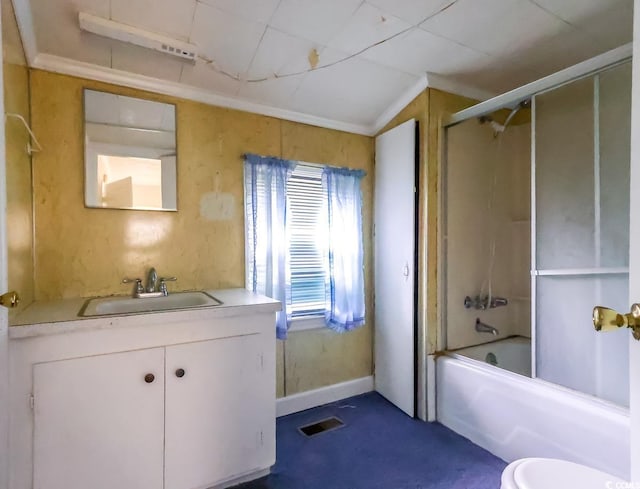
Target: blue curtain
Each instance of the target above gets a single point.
(344, 282)
(268, 271)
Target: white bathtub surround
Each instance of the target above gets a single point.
(515, 417)
(186, 397)
(486, 229)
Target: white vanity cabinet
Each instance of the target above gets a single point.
(180, 400)
(119, 420)
(216, 424)
(98, 423)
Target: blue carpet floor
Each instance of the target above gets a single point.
(379, 448)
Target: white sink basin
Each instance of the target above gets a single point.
(104, 306)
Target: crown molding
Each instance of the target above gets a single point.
(66, 66)
(401, 102)
(428, 80)
(22, 9)
(447, 84)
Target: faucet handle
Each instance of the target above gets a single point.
(139, 289)
(163, 284)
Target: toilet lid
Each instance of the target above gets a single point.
(543, 473)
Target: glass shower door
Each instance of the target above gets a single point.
(581, 231)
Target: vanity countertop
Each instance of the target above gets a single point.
(61, 316)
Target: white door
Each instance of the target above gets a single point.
(99, 422)
(634, 254)
(395, 229)
(217, 425)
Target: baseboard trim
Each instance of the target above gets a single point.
(323, 395)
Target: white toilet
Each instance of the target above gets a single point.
(548, 473)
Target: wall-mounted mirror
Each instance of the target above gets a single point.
(130, 152)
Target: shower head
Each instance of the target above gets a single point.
(497, 127)
(500, 128)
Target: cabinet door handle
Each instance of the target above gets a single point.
(149, 378)
(180, 373)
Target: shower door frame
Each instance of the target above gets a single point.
(589, 68)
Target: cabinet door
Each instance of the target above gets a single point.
(99, 423)
(220, 414)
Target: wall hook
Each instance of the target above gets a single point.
(30, 149)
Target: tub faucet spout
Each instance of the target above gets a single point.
(485, 328)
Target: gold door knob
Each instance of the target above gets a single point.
(605, 319)
(10, 299)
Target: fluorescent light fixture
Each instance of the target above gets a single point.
(133, 35)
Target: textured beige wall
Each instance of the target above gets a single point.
(19, 196)
(84, 252)
(321, 357)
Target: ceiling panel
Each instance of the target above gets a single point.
(278, 93)
(498, 77)
(57, 30)
(611, 28)
(134, 59)
(316, 20)
(367, 26)
(202, 76)
(355, 91)
(418, 52)
(260, 11)
(495, 27)
(226, 39)
(577, 11)
(170, 17)
(494, 45)
(549, 56)
(280, 53)
(412, 11)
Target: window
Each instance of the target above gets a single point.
(306, 246)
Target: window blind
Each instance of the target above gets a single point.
(307, 228)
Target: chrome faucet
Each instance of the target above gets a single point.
(152, 280)
(485, 328)
(156, 286)
(484, 302)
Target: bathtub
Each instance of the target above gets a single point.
(513, 416)
(512, 354)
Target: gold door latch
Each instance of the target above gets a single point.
(10, 299)
(605, 319)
